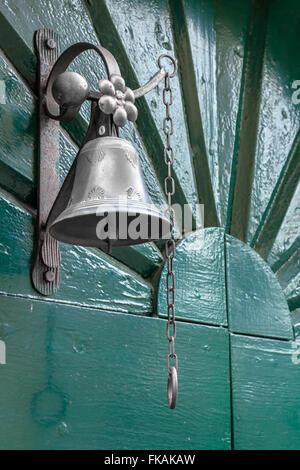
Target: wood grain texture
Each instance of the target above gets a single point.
(265, 384)
(289, 278)
(287, 240)
(18, 122)
(86, 275)
(280, 202)
(195, 107)
(199, 268)
(230, 36)
(78, 378)
(243, 158)
(256, 303)
(279, 117)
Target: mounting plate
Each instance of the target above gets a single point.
(45, 273)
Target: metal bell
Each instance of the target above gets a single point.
(109, 203)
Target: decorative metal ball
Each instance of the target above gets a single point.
(120, 116)
(106, 87)
(132, 112)
(70, 89)
(118, 82)
(129, 95)
(107, 104)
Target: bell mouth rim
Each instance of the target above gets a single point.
(81, 210)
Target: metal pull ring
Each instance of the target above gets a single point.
(172, 387)
(167, 56)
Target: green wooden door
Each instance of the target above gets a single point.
(86, 368)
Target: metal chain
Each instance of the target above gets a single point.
(168, 129)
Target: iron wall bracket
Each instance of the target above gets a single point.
(51, 201)
(45, 273)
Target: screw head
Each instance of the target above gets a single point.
(102, 130)
(49, 276)
(50, 43)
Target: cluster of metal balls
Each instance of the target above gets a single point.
(117, 99)
(71, 89)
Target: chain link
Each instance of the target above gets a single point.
(169, 187)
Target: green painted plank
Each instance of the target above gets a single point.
(199, 143)
(279, 202)
(231, 28)
(199, 268)
(111, 38)
(256, 302)
(279, 116)
(15, 48)
(87, 276)
(17, 122)
(247, 122)
(17, 185)
(265, 385)
(76, 378)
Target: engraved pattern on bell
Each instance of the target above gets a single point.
(132, 158)
(133, 193)
(96, 193)
(95, 157)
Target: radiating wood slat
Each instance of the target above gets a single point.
(193, 111)
(279, 203)
(17, 123)
(279, 116)
(231, 35)
(247, 122)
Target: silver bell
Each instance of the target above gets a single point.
(109, 201)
